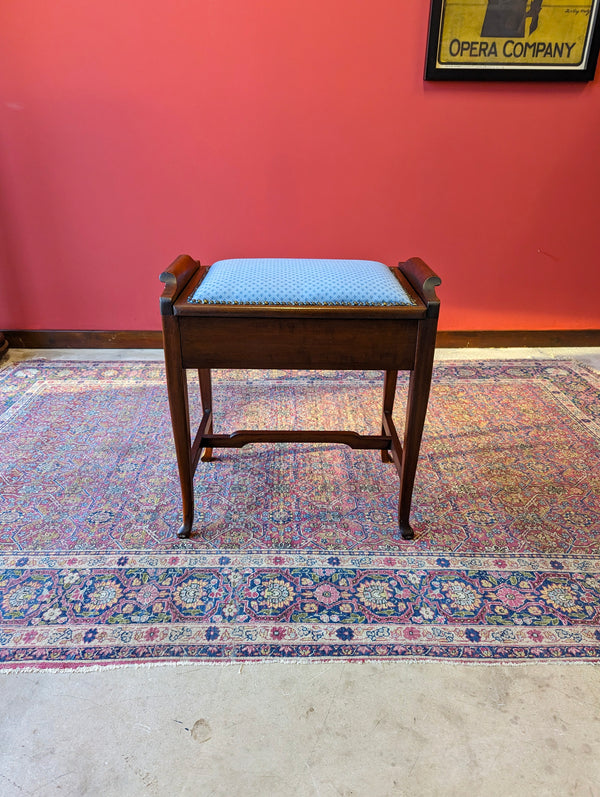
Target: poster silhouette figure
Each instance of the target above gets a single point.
(508, 18)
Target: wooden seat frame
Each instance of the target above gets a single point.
(392, 339)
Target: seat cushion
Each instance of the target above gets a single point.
(300, 282)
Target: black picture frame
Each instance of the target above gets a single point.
(513, 40)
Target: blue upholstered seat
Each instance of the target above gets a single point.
(300, 282)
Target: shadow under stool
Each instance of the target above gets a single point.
(299, 314)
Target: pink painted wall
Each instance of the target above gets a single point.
(134, 130)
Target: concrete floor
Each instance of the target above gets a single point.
(374, 729)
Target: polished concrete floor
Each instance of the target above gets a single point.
(324, 729)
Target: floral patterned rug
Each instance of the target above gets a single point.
(295, 551)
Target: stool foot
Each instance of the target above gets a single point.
(207, 455)
(385, 456)
(406, 531)
(185, 531)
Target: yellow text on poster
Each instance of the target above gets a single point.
(515, 32)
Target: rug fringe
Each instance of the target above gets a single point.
(241, 664)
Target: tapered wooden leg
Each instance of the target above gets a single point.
(180, 419)
(389, 393)
(206, 397)
(416, 410)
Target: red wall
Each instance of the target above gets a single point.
(133, 130)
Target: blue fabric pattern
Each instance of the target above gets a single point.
(300, 282)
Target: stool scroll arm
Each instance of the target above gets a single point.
(424, 280)
(176, 277)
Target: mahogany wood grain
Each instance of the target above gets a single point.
(248, 342)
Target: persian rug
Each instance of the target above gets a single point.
(295, 552)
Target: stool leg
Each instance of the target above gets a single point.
(206, 397)
(180, 419)
(416, 409)
(389, 393)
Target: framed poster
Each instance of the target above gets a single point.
(512, 40)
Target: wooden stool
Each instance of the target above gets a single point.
(299, 314)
